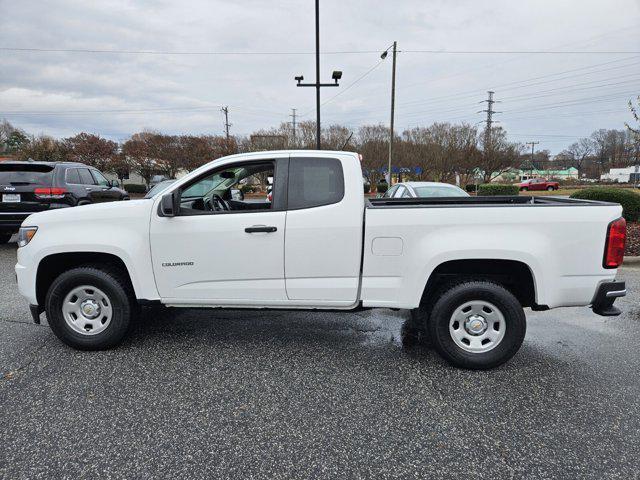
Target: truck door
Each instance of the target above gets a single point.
(220, 252)
(323, 242)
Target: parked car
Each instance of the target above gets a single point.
(539, 184)
(156, 179)
(465, 266)
(158, 187)
(424, 190)
(28, 187)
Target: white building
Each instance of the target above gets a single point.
(623, 175)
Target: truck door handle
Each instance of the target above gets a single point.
(260, 229)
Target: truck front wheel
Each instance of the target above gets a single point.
(477, 325)
(89, 308)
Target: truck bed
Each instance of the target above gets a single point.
(493, 201)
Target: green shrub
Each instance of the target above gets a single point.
(382, 187)
(629, 200)
(490, 189)
(367, 187)
(135, 188)
(470, 187)
(246, 188)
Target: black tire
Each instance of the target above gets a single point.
(4, 238)
(120, 296)
(83, 202)
(550, 189)
(452, 298)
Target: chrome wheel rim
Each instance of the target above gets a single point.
(477, 326)
(87, 310)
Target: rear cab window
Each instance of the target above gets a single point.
(25, 174)
(314, 182)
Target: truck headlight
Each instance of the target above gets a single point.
(25, 234)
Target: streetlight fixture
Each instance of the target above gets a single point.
(337, 75)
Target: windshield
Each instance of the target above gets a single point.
(18, 174)
(440, 191)
(157, 188)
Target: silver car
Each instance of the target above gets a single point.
(424, 189)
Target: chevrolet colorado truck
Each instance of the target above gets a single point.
(465, 266)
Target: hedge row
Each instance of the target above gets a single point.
(135, 188)
(489, 189)
(629, 200)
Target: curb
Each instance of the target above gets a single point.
(628, 260)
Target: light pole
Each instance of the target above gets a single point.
(393, 104)
(337, 75)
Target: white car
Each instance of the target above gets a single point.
(466, 266)
(424, 190)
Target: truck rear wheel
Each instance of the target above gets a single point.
(477, 325)
(89, 308)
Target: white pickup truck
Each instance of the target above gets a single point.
(465, 266)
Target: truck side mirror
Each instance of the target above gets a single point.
(169, 205)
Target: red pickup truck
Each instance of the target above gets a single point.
(539, 184)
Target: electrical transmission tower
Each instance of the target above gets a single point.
(490, 121)
(293, 123)
(225, 110)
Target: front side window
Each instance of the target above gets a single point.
(100, 179)
(399, 192)
(235, 188)
(314, 182)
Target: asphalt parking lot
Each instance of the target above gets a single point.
(195, 394)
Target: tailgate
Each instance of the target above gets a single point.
(18, 184)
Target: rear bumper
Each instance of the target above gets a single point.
(605, 296)
(10, 222)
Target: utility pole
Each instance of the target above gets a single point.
(393, 106)
(393, 102)
(337, 75)
(293, 123)
(533, 144)
(225, 110)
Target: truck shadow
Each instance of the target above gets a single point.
(372, 329)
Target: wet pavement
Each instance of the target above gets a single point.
(228, 394)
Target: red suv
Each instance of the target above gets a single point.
(539, 184)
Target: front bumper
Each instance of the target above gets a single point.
(605, 296)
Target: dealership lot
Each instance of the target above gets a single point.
(281, 394)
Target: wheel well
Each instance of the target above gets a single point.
(52, 266)
(513, 275)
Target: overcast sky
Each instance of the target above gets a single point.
(550, 98)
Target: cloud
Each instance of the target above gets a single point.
(182, 93)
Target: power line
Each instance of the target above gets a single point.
(338, 52)
(347, 87)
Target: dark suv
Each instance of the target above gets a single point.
(28, 187)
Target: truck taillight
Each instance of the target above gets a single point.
(614, 246)
(50, 193)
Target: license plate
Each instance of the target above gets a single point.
(11, 198)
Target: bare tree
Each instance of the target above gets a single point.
(578, 153)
